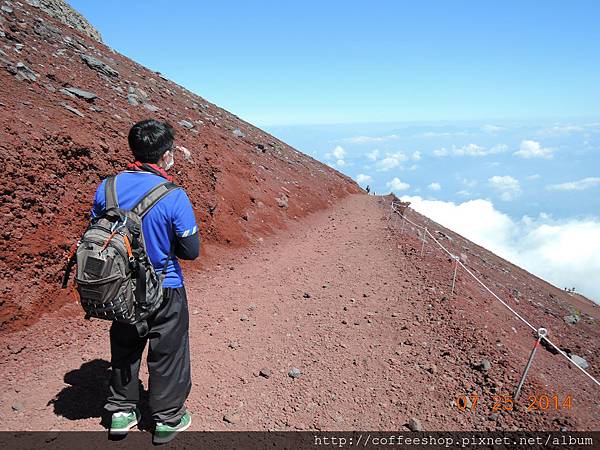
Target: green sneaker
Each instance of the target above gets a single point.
(164, 433)
(122, 421)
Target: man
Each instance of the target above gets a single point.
(170, 224)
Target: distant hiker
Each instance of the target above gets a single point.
(368, 189)
(170, 232)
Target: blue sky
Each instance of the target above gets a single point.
(283, 62)
(484, 114)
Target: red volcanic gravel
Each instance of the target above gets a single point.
(299, 270)
(56, 147)
(370, 324)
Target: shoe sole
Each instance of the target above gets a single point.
(119, 431)
(164, 440)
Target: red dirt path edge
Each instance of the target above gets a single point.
(379, 340)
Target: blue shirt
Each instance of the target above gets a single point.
(173, 214)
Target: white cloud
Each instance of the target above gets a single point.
(437, 134)
(564, 253)
(508, 187)
(471, 150)
(435, 186)
(578, 185)
(533, 149)
(339, 152)
(397, 185)
(561, 130)
(492, 129)
(370, 139)
(477, 150)
(413, 167)
(535, 176)
(361, 178)
(390, 161)
(373, 155)
(416, 155)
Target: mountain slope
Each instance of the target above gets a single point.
(370, 323)
(66, 105)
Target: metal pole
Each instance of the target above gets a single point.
(541, 333)
(389, 220)
(455, 269)
(423, 246)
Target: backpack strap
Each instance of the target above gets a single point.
(110, 193)
(152, 197)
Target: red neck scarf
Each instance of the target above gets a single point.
(149, 167)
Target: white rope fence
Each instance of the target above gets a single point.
(397, 213)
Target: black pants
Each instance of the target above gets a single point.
(168, 361)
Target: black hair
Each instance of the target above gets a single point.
(150, 139)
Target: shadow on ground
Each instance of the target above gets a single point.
(86, 393)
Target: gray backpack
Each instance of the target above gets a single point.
(115, 278)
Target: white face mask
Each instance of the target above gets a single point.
(170, 164)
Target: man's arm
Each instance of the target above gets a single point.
(187, 233)
(188, 247)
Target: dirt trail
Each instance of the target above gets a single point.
(333, 295)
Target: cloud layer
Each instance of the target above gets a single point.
(533, 149)
(507, 186)
(565, 253)
(578, 185)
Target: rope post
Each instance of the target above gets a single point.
(455, 270)
(541, 333)
(403, 222)
(423, 245)
(389, 220)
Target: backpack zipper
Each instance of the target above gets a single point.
(95, 241)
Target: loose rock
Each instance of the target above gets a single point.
(132, 100)
(17, 406)
(88, 96)
(186, 124)
(187, 155)
(295, 373)
(99, 66)
(73, 110)
(265, 373)
(571, 319)
(282, 201)
(24, 72)
(231, 418)
(483, 366)
(415, 424)
(581, 362)
(151, 107)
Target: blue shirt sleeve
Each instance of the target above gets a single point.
(182, 215)
(99, 201)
